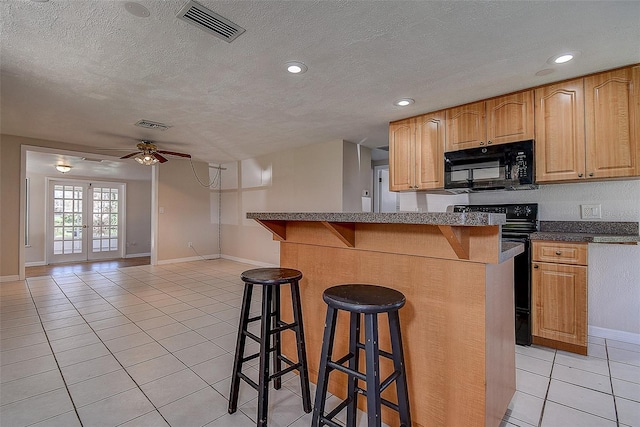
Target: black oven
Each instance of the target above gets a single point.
(522, 220)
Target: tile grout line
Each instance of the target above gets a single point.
(154, 340)
(615, 406)
(546, 395)
(64, 381)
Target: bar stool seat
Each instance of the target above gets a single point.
(369, 301)
(271, 324)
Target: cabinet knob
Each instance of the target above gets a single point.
(591, 174)
(579, 175)
(481, 142)
(535, 266)
(558, 252)
(488, 142)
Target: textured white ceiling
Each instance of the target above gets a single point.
(85, 71)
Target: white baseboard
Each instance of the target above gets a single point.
(613, 334)
(188, 259)
(9, 278)
(140, 255)
(249, 261)
(34, 264)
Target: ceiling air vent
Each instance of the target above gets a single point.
(210, 22)
(152, 125)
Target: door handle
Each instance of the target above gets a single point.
(84, 226)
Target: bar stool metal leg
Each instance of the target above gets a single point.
(240, 343)
(323, 371)
(398, 365)
(263, 382)
(277, 357)
(354, 364)
(372, 352)
(302, 351)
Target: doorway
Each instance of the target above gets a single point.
(384, 200)
(85, 221)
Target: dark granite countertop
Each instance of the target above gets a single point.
(431, 218)
(588, 231)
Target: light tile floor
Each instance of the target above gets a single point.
(153, 346)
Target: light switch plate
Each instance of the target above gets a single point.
(591, 211)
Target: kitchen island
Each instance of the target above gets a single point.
(458, 322)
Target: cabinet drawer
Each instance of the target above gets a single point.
(561, 253)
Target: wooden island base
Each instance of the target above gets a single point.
(457, 324)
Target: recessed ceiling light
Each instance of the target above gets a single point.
(136, 9)
(404, 102)
(296, 67)
(562, 58)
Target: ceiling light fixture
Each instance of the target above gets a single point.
(146, 159)
(563, 58)
(296, 67)
(63, 168)
(404, 102)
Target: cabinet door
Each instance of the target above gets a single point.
(612, 123)
(559, 297)
(466, 127)
(430, 150)
(401, 155)
(560, 145)
(510, 118)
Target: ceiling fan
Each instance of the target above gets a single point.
(148, 154)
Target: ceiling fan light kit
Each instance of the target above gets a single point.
(146, 159)
(148, 154)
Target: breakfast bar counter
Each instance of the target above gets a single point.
(458, 322)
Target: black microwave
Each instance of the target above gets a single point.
(497, 167)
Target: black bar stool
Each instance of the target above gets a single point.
(368, 300)
(271, 324)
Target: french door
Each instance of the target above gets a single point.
(85, 221)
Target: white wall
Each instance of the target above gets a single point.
(184, 213)
(306, 179)
(357, 177)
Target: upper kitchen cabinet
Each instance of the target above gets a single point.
(401, 154)
(466, 127)
(588, 128)
(499, 120)
(416, 153)
(559, 112)
(612, 113)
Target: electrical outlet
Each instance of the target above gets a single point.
(190, 244)
(590, 211)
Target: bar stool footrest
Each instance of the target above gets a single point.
(333, 365)
(248, 381)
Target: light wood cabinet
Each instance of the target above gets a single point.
(559, 295)
(588, 128)
(612, 122)
(559, 112)
(500, 120)
(416, 153)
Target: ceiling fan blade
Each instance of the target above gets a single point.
(173, 153)
(160, 158)
(130, 155)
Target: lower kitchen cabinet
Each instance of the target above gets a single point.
(559, 295)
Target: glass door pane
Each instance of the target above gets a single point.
(67, 222)
(106, 206)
